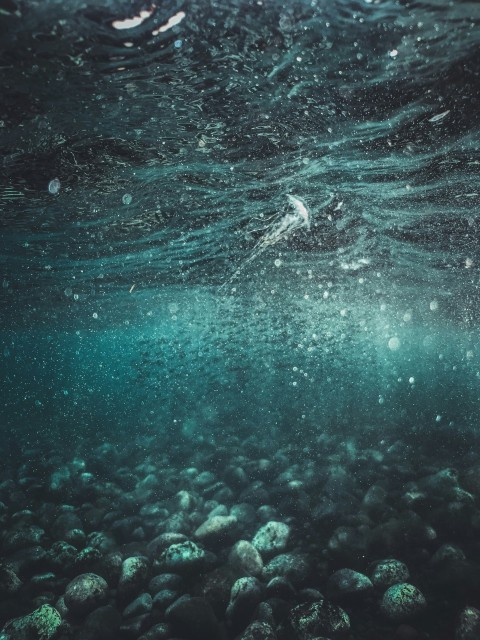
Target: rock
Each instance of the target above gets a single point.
(29, 536)
(245, 558)
(42, 624)
(183, 557)
(258, 631)
(245, 595)
(133, 577)
(163, 541)
(448, 553)
(402, 601)
(85, 593)
(244, 513)
(10, 583)
(27, 561)
(161, 631)
(322, 618)
(131, 628)
(272, 537)
(141, 604)
(469, 625)
(165, 581)
(292, 566)
(101, 624)
(164, 598)
(279, 587)
(349, 543)
(193, 619)
(62, 555)
(389, 572)
(348, 583)
(217, 529)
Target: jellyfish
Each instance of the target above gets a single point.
(280, 228)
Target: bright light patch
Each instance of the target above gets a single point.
(130, 23)
(171, 22)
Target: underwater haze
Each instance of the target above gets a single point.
(243, 234)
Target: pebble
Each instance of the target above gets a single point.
(347, 582)
(245, 558)
(271, 538)
(133, 577)
(141, 604)
(469, 624)
(183, 557)
(389, 572)
(85, 593)
(294, 567)
(402, 602)
(193, 619)
(101, 624)
(321, 618)
(245, 595)
(218, 528)
(41, 624)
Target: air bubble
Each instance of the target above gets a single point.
(54, 186)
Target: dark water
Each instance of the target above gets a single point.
(156, 276)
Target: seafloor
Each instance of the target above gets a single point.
(336, 536)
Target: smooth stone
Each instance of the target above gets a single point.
(10, 583)
(193, 619)
(245, 595)
(347, 582)
(259, 631)
(272, 537)
(164, 598)
(185, 556)
(402, 601)
(469, 624)
(388, 572)
(245, 558)
(292, 566)
(23, 538)
(141, 604)
(447, 553)
(160, 631)
(133, 577)
(163, 541)
(321, 618)
(171, 581)
(41, 624)
(85, 593)
(102, 624)
(217, 528)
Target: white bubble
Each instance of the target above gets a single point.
(95, 315)
(411, 380)
(277, 262)
(127, 198)
(394, 343)
(381, 400)
(54, 186)
(68, 292)
(433, 305)
(407, 316)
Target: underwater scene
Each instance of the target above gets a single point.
(239, 320)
